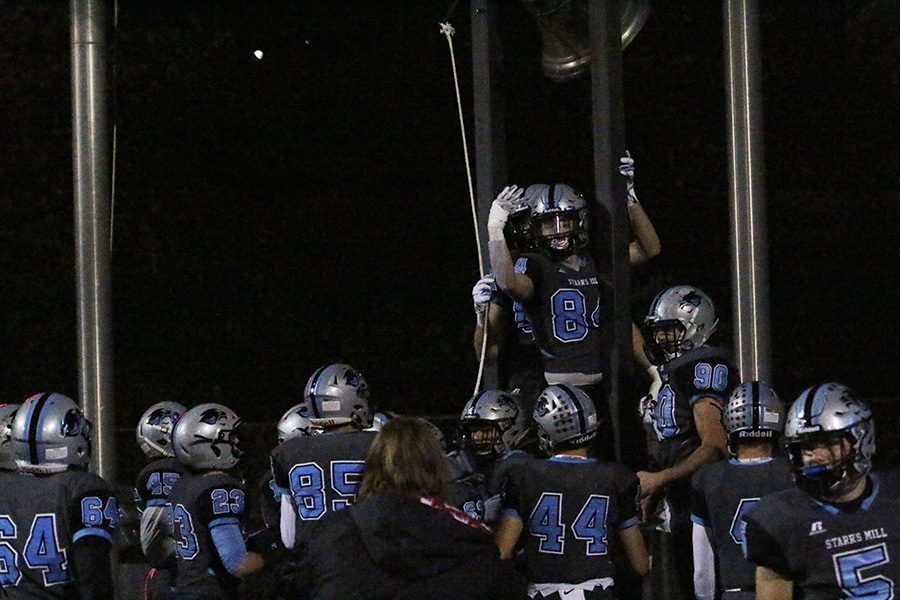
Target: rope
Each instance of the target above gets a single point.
(448, 31)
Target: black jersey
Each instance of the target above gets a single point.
(706, 372)
(825, 551)
(721, 493)
(41, 517)
(152, 488)
(200, 503)
(569, 313)
(321, 472)
(569, 506)
(521, 367)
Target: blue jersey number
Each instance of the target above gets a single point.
(664, 413)
(227, 501)
(546, 524)
(738, 527)
(569, 315)
(10, 575)
(706, 376)
(307, 483)
(42, 552)
(160, 484)
(849, 567)
(521, 317)
(94, 513)
(185, 538)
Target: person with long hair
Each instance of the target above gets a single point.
(400, 539)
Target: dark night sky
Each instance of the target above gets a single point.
(275, 215)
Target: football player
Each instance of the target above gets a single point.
(510, 346)
(724, 491)
(493, 428)
(559, 287)
(836, 534)
(321, 473)
(154, 483)
(56, 519)
(682, 417)
(208, 506)
(564, 508)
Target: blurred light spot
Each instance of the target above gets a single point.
(258, 54)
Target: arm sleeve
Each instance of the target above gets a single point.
(156, 535)
(704, 564)
(229, 544)
(288, 522)
(628, 502)
(762, 548)
(699, 509)
(91, 568)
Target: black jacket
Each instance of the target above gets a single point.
(392, 547)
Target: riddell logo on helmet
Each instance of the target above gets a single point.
(756, 434)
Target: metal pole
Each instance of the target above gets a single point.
(609, 189)
(749, 242)
(91, 173)
(490, 129)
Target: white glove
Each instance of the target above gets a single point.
(481, 295)
(626, 168)
(502, 206)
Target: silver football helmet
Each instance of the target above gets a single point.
(559, 218)
(680, 319)
(50, 434)
(493, 423)
(295, 422)
(753, 412)
(830, 414)
(338, 394)
(154, 430)
(206, 437)
(7, 456)
(565, 415)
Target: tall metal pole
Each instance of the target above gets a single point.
(92, 185)
(750, 274)
(490, 129)
(609, 189)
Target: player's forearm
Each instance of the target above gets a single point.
(705, 453)
(648, 241)
(516, 285)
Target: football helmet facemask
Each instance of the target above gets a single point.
(680, 319)
(752, 413)
(154, 430)
(829, 419)
(559, 219)
(564, 416)
(50, 434)
(295, 423)
(7, 455)
(206, 437)
(338, 394)
(493, 423)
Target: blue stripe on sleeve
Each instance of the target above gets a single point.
(224, 521)
(230, 545)
(511, 512)
(97, 531)
(157, 502)
(699, 521)
(629, 523)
